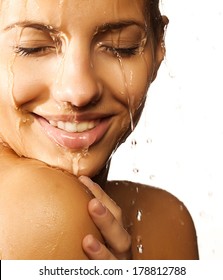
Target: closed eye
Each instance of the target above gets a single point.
(34, 51)
(123, 52)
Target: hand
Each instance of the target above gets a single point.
(107, 216)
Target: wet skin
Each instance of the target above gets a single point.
(44, 216)
(62, 69)
(73, 84)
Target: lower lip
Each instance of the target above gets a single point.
(76, 140)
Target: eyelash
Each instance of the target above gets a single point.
(32, 51)
(123, 52)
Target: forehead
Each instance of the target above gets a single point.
(69, 12)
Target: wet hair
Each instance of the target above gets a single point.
(154, 18)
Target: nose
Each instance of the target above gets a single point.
(76, 81)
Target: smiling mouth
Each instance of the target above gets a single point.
(74, 134)
(74, 127)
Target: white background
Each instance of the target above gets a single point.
(180, 136)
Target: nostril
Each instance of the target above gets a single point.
(79, 92)
(84, 106)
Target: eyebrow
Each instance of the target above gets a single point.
(31, 24)
(110, 26)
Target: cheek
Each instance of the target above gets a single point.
(128, 79)
(138, 77)
(30, 81)
(138, 82)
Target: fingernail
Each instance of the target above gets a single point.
(93, 244)
(99, 208)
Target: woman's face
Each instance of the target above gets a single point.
(73, 78)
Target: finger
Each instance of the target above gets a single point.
(109, 221)
(96, 250)
(113, 232)
(98, 192)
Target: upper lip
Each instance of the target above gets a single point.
(75, 117)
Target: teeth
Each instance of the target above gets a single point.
(74, 127)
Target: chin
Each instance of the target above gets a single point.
(77, 165)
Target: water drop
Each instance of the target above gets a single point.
(134, 143)
(76, 164)
(149, 141)
(85, 152)
(129, 226)
(152, 177)
(133, 202)
(139, 244)
(11, 80)
(135, 170)
(139, 239)
(140, 248)
(139, 215)
(132, 125)
(25, 119)
(182, 223)
(131, 78)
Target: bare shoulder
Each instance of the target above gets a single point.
(43, 212)
(159, 220)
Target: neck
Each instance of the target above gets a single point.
(101, 177)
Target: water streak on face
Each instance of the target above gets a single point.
(74, 77)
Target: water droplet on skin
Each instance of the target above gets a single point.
(138, 239)
(140, 248)
(85, 152)
(11, 80)
(61, 2)
(131, 78)
(25, 119)
(133, 202)
(75, 164)
(181, 208)
(131, 119)
(182, 223)
(139, 244)
(126, 90)
(139, 215)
